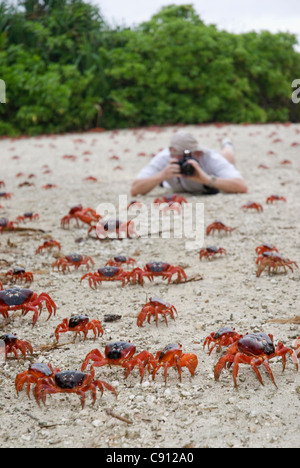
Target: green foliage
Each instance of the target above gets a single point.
(66, 70)
(175, 69)
(50, 62)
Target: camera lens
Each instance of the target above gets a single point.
(187, 169)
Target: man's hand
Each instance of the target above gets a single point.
(143, 186)
(231, 185)
(171, 170)
(199, 175)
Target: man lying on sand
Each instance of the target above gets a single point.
(207, 172)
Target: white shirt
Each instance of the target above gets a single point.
(212, 162)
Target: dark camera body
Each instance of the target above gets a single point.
(185, 167)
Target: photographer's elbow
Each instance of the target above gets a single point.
(133, 192)
(244, 188)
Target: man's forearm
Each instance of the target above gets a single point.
(229, 185)
(143, 186)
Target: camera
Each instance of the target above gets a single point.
(185, 167)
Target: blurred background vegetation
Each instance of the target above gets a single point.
(66, 70)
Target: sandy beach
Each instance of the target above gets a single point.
(198, 411)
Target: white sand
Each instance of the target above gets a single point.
(198, 411)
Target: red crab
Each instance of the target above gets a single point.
(135, 203)
(49, 186)
(88, 216)
(261, 249)
(12, 299)
(115, 229)
(171, 198)
(34, 373)
(286, 161)
(170, 202)
(20, 274)
(273, 198)
(273, 261)
(172, 356)
(153, 308)
(119, 353)
(120, 260)
(91, 178)
(27, 216)
(71, 157)
(253, 205)
(211, 251)
(48, 244)
(75, 260)
(218, 226)
(171, 206)
(224, 337)
(5, 224)
(297, 347)
(26, 184)
(5, 195)
(106, 273)
(13, 344)
(254, 349)
(77, 324)
(85, 215)
(71, 381)
(157, 269)
(71, 215)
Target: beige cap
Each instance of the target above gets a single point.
(185, 141)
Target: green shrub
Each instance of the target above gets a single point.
(175, 69)
(66, 70)
(50, 63)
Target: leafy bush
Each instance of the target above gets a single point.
(50, 63)
(66, 70)
(176, 69)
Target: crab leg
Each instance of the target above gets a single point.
(35, 311)
(190, 361)
(221, 364)
(268, 368)
(282, 350)
(141, 360)
(100, 384)
(94, 355)
(21, 379)
(23, 346)
(4, 311)
(238, 359)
